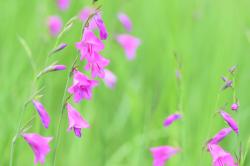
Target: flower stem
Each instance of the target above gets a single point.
(64, 99)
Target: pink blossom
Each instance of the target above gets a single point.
(44, 116)
(234, 106)
(76, 121)
(97, 66)
(230, 121)
(129, 44)
(220, 135)
(89, 45)
(109, 78)
(82, 87)
(97, 19)
(55, 25)
(171, 118)
(220, 157)
(162, 153)
(39, 145)
(63, 4)
(125, 20)
(85, 13)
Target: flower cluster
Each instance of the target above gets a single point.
(162, 153)
(219, 155)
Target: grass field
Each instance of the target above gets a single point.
(208, 36)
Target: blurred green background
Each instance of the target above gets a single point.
(209, 36)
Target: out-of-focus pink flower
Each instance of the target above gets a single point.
(44, 116)
(171, 118)
(55, 25)
(125, 20)
(230, 121)
(97, 66)
(89, 45)
(82, 87)
(129, 44)
(162, 153)
(234, 106)
(76, 121)
(58, 67)
(85, 13)
(39, 145)
(63, 4)
(220, 157)
(220, 135)
(109, 78)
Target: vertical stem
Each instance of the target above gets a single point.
(62, 109)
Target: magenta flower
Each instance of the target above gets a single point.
(125, 20)
(171, 118)
(82, 87)
(230, 121)
(39, 145)
(97, 19)
(55, 25)
(234, 106)
(109, 78)
(44, 116)
(63, 4)
(89, 45)
(220, 157)
(97, 66)
(220, 135)
(129, 44)
(162, 153)
(76, 121)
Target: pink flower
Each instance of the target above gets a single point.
(171, 118)
(129, 44)
(63, 4)
(97, 66)
(220, 135)
(44, 116)
(39, 145)
(234, 106)
(220, 157)
(97, 20)
(82, 87)
(55, 25)
(89, 45)
(125, 20)
(230, 121)
(109, 78)
(76, 121)
(85, 13)
(162, 153)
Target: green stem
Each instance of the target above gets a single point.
(64, 99)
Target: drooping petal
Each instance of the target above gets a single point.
(125, 20)
(110, 79)
(63, 4)
(44, 116)
(171, 118)
(39, 145)
(129, 44)
(162, 153)
(230, 121)
(220, 157)
(220, 136)
(55, 25)
(101, 26)
(76, 121)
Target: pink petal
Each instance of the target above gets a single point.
(125, 20)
